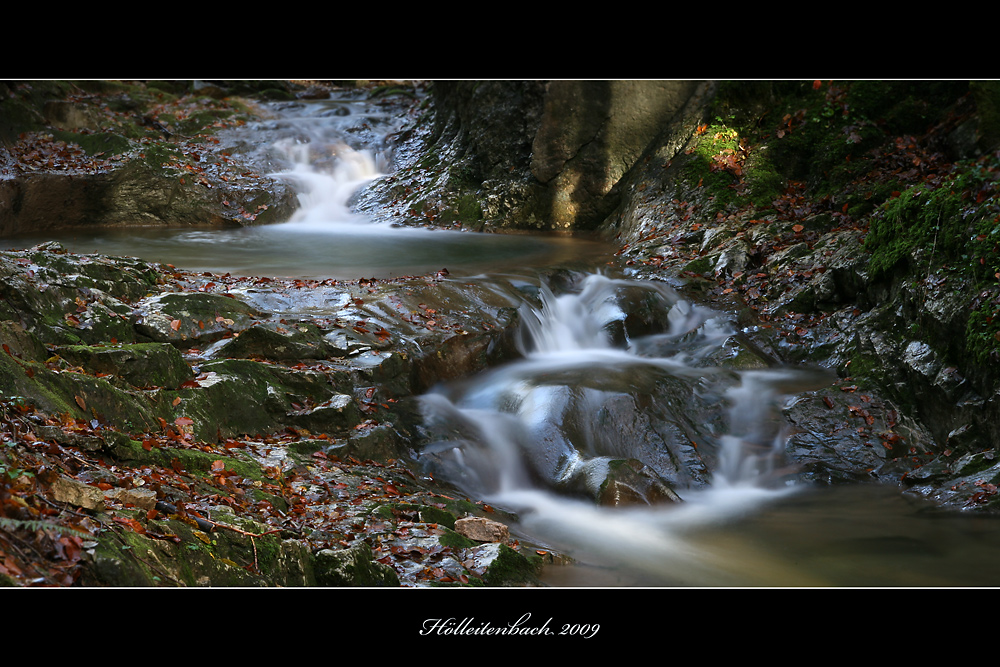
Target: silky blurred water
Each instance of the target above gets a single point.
(740, 530)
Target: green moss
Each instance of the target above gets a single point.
(156, 154)
(977, 464)
(987, 97)
(701, 265)
(954, 223)
(509, 568)
(95, 143)
(982, 335)
(864, 368)
(20, 105)
(450, 538)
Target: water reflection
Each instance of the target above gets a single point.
(308, 250)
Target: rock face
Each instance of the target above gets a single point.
(546, 156)
(590, 133)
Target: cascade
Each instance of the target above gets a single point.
(538, 435)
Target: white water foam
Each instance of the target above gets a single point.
(509, 412)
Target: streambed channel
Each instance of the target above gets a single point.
(611, 370)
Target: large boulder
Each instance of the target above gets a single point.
(547, 155)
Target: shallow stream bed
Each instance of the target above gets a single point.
(534, 435)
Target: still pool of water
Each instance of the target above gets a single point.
(329, 250)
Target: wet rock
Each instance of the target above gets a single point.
(241, 396)
(276, 342)
(334, 414)
(190, 317)
(502, 566)
(141, 364)
(379, 442)
(21, 343)
(355, 566)
(631, 482)
(192, 557)
(77, 395)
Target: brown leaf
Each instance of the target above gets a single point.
(80, 402)
(175, 325)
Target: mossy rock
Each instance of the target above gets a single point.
(509, 568)
(242, 396)
(139, 364)
(75, 394)
(96, 143)
(189, 317)
(355, 566)
(299, 342)
(222, 558)
(21, 343)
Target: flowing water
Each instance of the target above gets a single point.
(537, 436)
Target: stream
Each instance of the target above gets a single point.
(537, 436)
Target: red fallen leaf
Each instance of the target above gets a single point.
(148, 444)
(828, 401)
(104, 486)
(391, 490)
(797, 228)
(817, 84)
(80, 402)
(131, 523)
(175, 325)
(175, 401)
(183, 421)
(218, 466)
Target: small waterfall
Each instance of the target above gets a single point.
(536, 434)
(325, 177)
